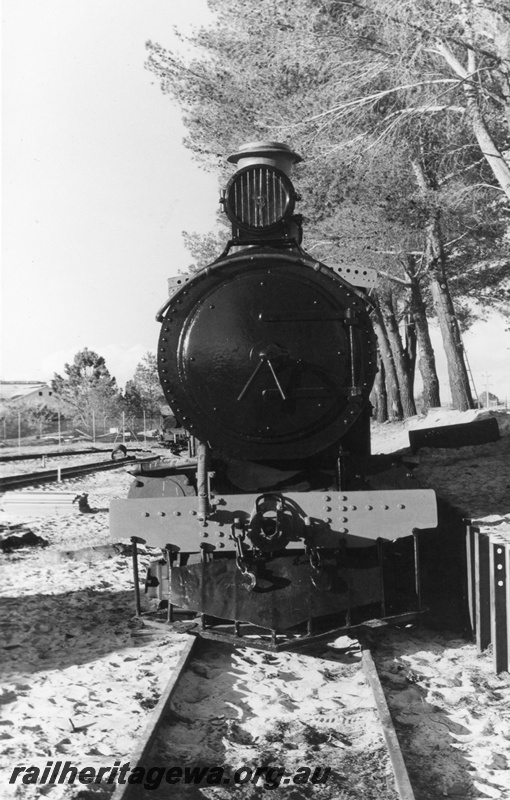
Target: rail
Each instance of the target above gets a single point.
(402, 782)
(146, 740)
(4, 459)
(195, 649)
(63, 473)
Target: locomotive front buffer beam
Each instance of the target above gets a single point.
(282, 560)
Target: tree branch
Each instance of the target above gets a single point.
(361, 101)
(394, 279)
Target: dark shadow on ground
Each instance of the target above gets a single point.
(55, 631)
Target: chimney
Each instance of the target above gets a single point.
(272, 154)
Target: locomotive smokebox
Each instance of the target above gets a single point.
(272, 154)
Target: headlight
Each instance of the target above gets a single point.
(259, 198)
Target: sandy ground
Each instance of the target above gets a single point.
(451, 712)
(287, 711)
(79, 675)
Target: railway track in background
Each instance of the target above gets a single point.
(5, 459)
(206, 724)
(21, 481)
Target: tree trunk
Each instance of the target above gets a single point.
(410, 349)
(454, 349)
(490, 151)
(492, 154)
(399, 359)
(378, 396)
(442, 301)
(427, 361)
(394, 407)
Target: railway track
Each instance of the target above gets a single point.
(247, 720)
(20, 481)
(7, 459)
(51, 454)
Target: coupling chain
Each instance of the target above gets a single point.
(318, 574)
(249, 577)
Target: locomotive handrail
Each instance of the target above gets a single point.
(161, 313)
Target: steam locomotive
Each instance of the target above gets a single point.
(280, 520)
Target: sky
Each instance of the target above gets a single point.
(97, 187)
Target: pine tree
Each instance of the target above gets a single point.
(397, 167)
(144, 393)
(87, 389)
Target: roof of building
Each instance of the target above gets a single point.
(11, 390)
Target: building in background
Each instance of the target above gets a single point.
(29, 408)
(27, 393)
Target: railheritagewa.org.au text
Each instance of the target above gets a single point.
(152, 777)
